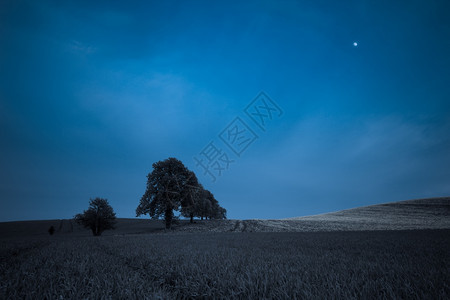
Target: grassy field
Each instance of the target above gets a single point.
(318, 257)
(27, 229)
(433, 213)
(317, 265)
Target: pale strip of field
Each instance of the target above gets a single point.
(433, 213)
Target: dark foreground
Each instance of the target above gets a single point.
(379, 264)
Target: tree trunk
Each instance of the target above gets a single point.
(192, 218)
(169, 216)
(202, 218)
(169, 212)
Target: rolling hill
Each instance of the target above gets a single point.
(432, 213)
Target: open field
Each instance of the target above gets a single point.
(70, 227)
(379, 264)
(325, 256)
(433, 213)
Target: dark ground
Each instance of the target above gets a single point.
(328, 256)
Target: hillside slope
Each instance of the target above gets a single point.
(432, 213)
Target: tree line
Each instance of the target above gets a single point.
(170, 187)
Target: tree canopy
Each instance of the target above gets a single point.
(98, 217)
(205, 206)
(171, 187)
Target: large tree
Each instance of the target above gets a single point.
(169, 186)
(98, 217)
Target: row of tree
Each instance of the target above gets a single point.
(173, 187)
(170, 187)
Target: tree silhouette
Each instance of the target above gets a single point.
(190, 204)
(209, 207)
(204, 205)
(169, 186)
(216, 212)
(99, 217)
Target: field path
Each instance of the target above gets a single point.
(244, 226)
(236, 225)
(240, 226)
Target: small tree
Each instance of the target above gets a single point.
(99, 217)
(217, 212)
(194, 192)
(208, 207)
(203, 207)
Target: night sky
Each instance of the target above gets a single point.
(92, 93)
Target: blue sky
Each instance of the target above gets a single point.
(93, 92)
